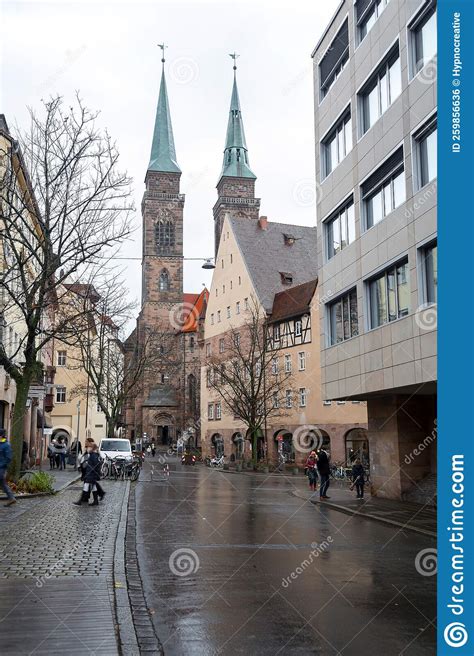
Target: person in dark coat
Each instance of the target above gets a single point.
(312, 470)
(91, 472)
(51, 455)
(324, 471)
(5, 460)
(358, 474)
(100, 489)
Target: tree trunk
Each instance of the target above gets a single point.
(110, 429)
(254, 447)
(18, 422)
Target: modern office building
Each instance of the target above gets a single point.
(375, 124)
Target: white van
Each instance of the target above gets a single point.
(113, 447)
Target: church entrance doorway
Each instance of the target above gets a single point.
(163, 435)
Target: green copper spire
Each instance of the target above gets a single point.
(236, 158)
(163, 153)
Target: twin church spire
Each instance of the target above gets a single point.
(163, 153)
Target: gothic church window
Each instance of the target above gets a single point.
(164, 282)
(164, 235)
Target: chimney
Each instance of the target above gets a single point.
(263, 223)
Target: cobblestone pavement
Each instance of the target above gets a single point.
(56, 575)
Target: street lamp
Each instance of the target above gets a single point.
(208, 264)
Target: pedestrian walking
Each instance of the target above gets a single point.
(324, 472)
(153, 449)
(5, 460)
(89, 442)
(358, 474)
(51, 455)
(312, 470)
(148, 450)
(91, 467)
(61, 449)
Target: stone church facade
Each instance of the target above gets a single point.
(165, 401)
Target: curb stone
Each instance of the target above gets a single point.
(377, 518)
(127, 639)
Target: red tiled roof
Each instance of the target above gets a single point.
(193, 304)
(293, 301)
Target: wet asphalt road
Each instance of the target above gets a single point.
(234, 539)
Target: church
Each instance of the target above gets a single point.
(165, 403)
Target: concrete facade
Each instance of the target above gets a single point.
(393, 364)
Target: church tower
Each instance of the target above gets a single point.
(162, 212)
(236, 185)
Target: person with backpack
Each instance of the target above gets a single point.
(324, 472)
(5, 459)
(90, 467)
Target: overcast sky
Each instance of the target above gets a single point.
(108, 51)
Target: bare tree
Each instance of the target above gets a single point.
(246, 375)
(64, 206)
(100, 350)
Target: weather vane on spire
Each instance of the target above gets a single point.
(162, 46)
(234, 56)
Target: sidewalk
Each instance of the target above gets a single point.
(57, 567)
(399, 514)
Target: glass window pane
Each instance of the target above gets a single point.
(431, 272)
(350, 224)
(431, 156)
(348, 135)
(332, 154)
(395, 80)
(336, 235)
(340, 144)
(399, 189)
(330, 238)
(373, 106)
(336, 322)
(344, 241)
(378, 302)
(346, 317)
(353, 313)
(428, 38)
(387, 199)
(392, 295)
(383, 93)
(374, 209)
(403, 292)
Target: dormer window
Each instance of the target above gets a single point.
(286, 278)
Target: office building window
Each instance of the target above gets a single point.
(60, 394)
(303, 396)
(426, 161)
(301, 361)
(221, 345)
(343, 318)
(61, 358)
(340, 230)
(337, 144)
(429, 262)
(275, 400)
(288, 399)
(381, 90)
(218, 316)
(246, 302)
(287, 364)
(367, 13)
(298, 327)
(275, 366)
(210, 411)
(218, 411)
(384, 190)
(423, 39)
(237, 307)
(333, 62)
(276, 333)
(389, 295)
(228, 311)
